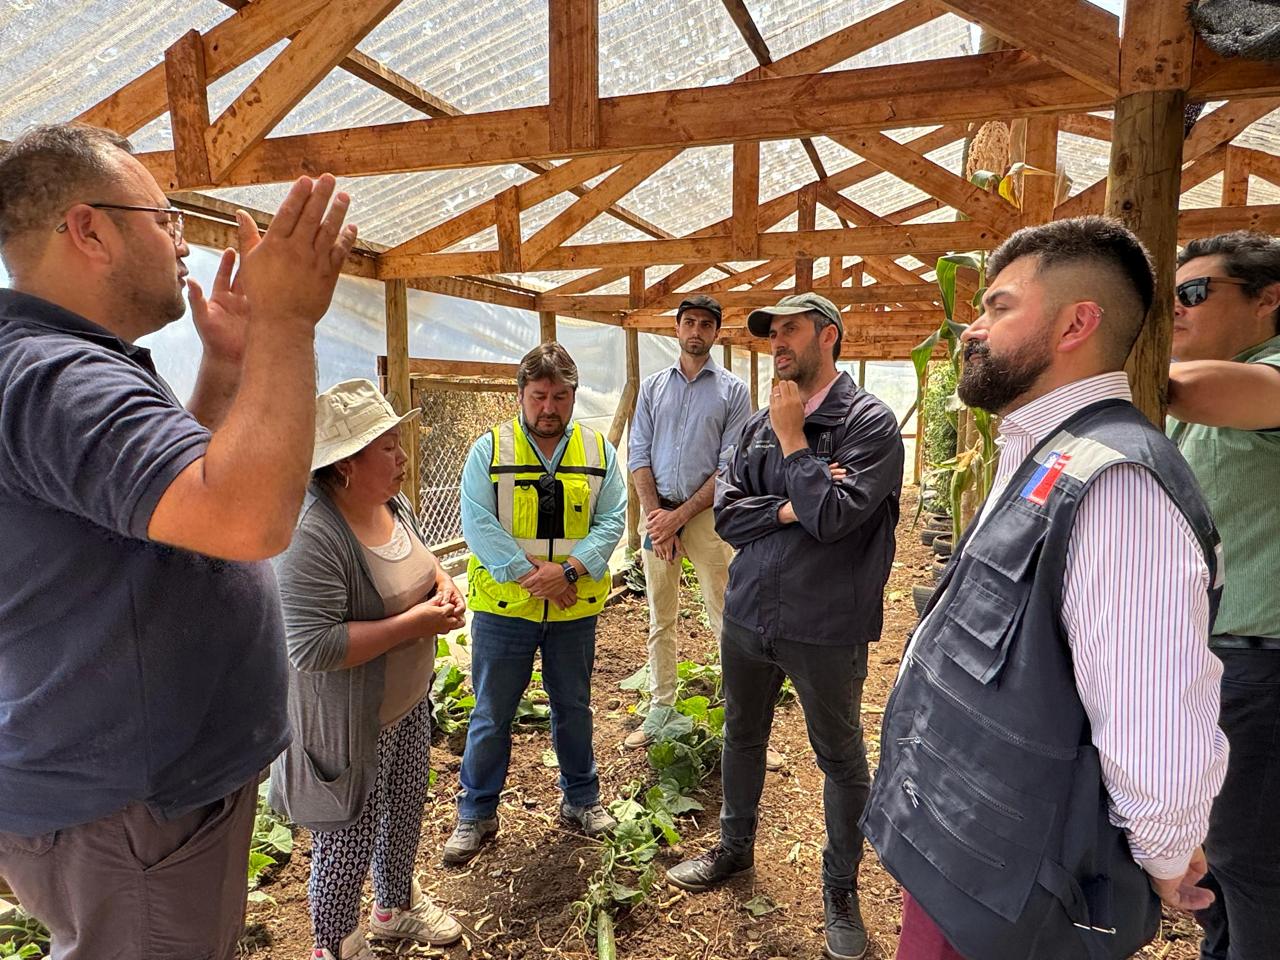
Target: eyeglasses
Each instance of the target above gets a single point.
(1192, 293)
(173, 225)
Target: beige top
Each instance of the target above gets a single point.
(404, 572)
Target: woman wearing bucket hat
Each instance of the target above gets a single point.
(363, 602)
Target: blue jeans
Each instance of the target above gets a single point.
(502, 650)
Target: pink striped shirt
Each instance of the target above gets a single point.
(1136, 611)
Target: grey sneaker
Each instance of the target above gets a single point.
(422, 922)
(353, 947)
(845, 932)
(592, 820)
(467, 839)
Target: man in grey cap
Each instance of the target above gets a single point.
(810, 500)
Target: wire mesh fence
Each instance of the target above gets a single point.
(452, 419)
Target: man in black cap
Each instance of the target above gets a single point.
(687, 420)
(810, 500)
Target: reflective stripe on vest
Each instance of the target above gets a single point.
(515, 470)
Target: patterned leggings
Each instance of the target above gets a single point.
(386, 833)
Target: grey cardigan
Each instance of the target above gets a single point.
(322, 780)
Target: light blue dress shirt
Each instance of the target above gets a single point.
(686, 430)
(497, 550)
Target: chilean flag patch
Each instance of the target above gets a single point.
(1041, 483)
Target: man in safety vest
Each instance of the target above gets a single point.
(543, 507)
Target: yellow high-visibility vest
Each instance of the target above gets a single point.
(519, 479)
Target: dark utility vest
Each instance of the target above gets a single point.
(989, 805)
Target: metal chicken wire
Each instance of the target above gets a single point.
(454, 414)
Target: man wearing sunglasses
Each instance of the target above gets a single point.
(142, 672)
(543, 507)
(1224, 406)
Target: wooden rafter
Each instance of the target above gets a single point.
(1087, 50)
(876, 293)
(1007, 83)
(746, 199)
(573, 73)
(187, 88)
(316, 49)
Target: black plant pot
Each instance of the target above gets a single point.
(939, 565)
(927, 536)
(942, 545)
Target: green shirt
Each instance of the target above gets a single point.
(1239, 471)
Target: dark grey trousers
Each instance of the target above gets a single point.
(829, 682)
(131, 887)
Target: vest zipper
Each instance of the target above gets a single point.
(917, 798)
(982, 794)
(1033, 746)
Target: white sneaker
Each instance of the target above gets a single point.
(423, 922)
(353, 947)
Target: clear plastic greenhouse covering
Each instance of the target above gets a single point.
(62, 56)
(353, 334)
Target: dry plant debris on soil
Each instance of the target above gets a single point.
(516, 898)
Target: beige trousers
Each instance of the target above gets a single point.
(710, 557)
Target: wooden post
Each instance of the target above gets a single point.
(727, 356)
(187, 86)
(806, 219)
(862, 374)
(1146, 171)
(399, 389)
(633, 385)
(746, 199)
(573, 68)
(1235, 179)
(1040, 151)
(547, 325)
(755, 379)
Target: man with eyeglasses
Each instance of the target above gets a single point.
(543, 507)
(1224, 406)
(142, 670)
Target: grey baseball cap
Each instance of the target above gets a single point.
(700, 301)
(759, 321)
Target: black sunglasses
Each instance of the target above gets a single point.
(546, 485)
(1192, 293)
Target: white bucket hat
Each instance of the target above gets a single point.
(350, 416)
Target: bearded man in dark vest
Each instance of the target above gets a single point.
(1051, 751)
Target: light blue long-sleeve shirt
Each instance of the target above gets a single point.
(498, 551)
(686, 430)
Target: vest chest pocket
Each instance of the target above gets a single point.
(577, 506)
(524, 511)
(989, 591)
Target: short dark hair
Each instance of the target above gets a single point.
(547, 361)
(822, 321)
(47, 169)
(1101, 242)
(1248, 256)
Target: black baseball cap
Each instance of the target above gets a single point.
(700, 301)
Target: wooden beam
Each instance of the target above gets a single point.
(529, 194)
(398, 389)
(860, 36)
(480, 369)
(770, 214)
(586, 208)
(806, 219)
(478, 290)
(622, 414)
(1262, 218)
(1085, 125)
(1039, 190)
(1217, 78)
(1006, 83)
(1146, 170)
(1202, 168)
(308, 59)
(754, 379)
(574, 70)
(905, 164)
(1262, 164)
(865, 241)
(227, 45)
(884, 268)
(507, 218)
(547, 325)
(741, 18)
(633, 385)
(1235, 179)
(746, 199)
(187, 88)
(1086, 49)
(876, 293)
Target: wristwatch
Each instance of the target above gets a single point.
(570, 572)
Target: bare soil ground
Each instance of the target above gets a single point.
(516, 898)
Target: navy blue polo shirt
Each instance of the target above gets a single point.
(129, 670)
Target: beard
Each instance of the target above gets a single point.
(804, 365)
(994, 383)
(546, 427)
(150, 304)
(695, 348)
